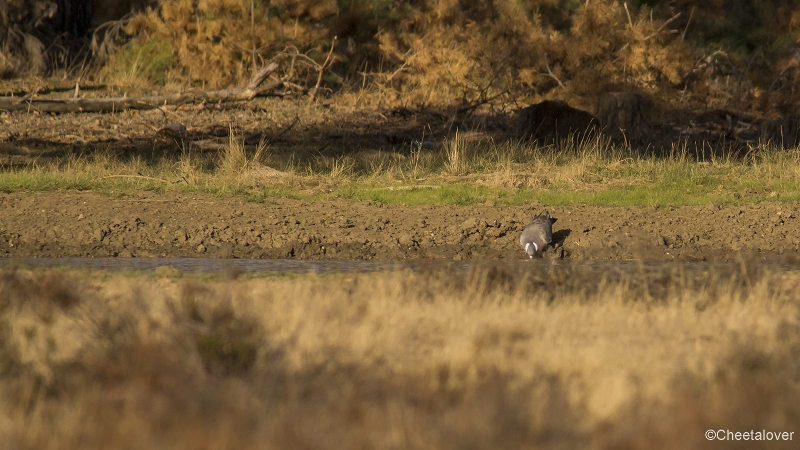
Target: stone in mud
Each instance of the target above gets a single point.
(469, 224)
(405, 239)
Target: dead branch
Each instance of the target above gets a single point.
(322, 71)
(67, 105)
(663, 25)
(778, 78)
(552, 75)
(295, 87)
(630, 22)
(291, 125)
(292, 52)
(136, 176)
(691, 14)
(260, 76)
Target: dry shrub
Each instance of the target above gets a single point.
(21, 52)
(40, 36)
(217, 43)
(427, 52)
(505, 47)
(500, 53)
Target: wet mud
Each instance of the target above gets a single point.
(63, 224)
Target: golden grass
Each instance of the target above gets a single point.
(490, 359)
(237, 160)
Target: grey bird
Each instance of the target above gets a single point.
(537, 234)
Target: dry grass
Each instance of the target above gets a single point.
(397, 360)
(237, 160)
(570, 172)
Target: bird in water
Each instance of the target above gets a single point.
(537, 234)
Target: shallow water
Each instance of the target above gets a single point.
(212, 265)
(595, 268)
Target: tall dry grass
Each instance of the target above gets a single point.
(556, 358)
(236, 159)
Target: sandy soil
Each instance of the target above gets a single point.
(60, 224)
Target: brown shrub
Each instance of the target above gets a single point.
(217, 43)
(427, 52)
(21, 52)
(500, 53)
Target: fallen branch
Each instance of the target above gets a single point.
(136, 176)
(404, 188)
(67, 105)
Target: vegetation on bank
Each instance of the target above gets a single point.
(456, 171)
(499, 54)
(493, 54)
(485, 56)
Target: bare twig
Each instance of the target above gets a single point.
(402, 68)
(479, 102)
(291, 125)
(630, 22)
(691, 14)
(292, 51)
(322, 71)
(667, 22)
(253, 31)
(296, 87)
(771, 86)
(551, 74)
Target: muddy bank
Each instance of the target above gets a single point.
(58, 224)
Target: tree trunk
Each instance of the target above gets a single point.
(622, 115)
(782, 133)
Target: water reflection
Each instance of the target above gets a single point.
(208, 265)
(598, 268)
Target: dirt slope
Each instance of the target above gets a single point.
(171, 225)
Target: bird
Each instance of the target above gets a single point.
(537, 234)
